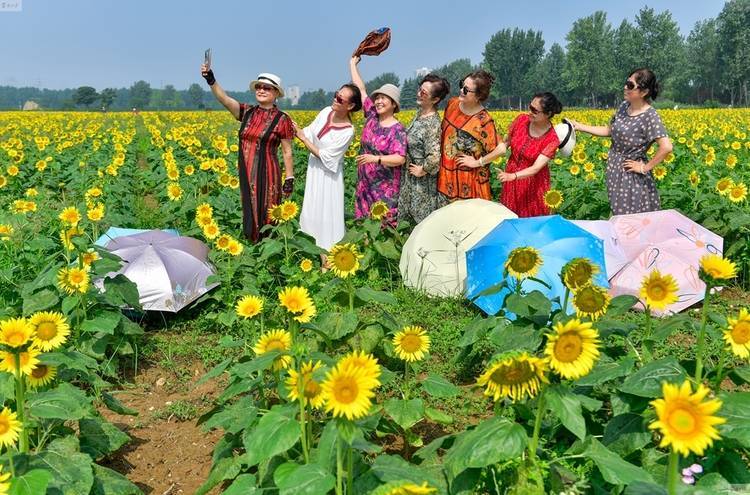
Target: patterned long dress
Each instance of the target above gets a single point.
(525, 196)
(473, 135)
(260, 134)
(632, 136)
(418, 196)
(379, 182)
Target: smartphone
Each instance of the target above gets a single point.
(207, 59)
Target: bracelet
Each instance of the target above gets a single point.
(642, 172)
(515, 175)
(480, 161)
(379, 163)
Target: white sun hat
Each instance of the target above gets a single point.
(567, 136)
(270, 79)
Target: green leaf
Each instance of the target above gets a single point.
(475, 330)
(620, 305)
(39, 301)
(72, 360)
(742, 373)
(225, 469)
(392, 468)
(244, 484)
(387, 249)
(71, 470)
(337, 325)
(310, 479)
(614, 470)
(325, 453)
(99, 437)
(119, 291)
(532, 305)
(368, 338)
(406, 413)
(233, 418)
(666, 327)
(217, 370)
(605, 371)
(515, 337)
(625, 434)
(567, 408)
(68, 304)
(643, 488)
(437, 416)
(32, 482)
(647, 381)
(63, 402)
(274, 434)
(735, 408)
(108, 482)
(260, 363)
(437, 386)
(367, 294)
(104, 322)
(493, 440)
(114, 405)
(103, 266)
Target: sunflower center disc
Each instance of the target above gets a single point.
(682, 421)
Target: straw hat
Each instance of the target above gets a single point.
(270, 79)
(567, 136)
(391, 91)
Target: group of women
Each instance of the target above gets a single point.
(432, 162)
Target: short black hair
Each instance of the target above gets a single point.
(356, 96)
(550, 104)
(440, 86)
(646, 80)
(483, 80)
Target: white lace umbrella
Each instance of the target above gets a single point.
(170, 271)
(434, 256)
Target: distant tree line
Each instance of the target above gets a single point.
(711, 66)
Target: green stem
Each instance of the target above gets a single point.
(702, 337)
(339, 467)
(672, 472)
(720, 369)
(406, 380)
(648, 345)
(23, 443)
(11, 463)
(302, 415)
(565, 301)
(351, 294)
(540, 408)
(349, 470)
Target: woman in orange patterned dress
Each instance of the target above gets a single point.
(468, 133)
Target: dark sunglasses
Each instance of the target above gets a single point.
(533, 110)
(631, 85)
(262, 87)
(466, 90)
(422, 92)
(339, 99)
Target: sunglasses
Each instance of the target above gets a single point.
(533, 110)
(263, 87)
(422, 92)
(338, 99)
(630, 85)
(466, 90)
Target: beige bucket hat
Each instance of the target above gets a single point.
(391, 91)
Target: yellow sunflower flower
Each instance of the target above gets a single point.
(249, 306)
(311, 389)
(411, 343)
(96, 213)
(28, 360)
(737, 334)
(578, 272)
(73, 280)
(572, 348)
(694, 178)
(553, 199)
(715, 267)
(348, 391)
(15, 332)
(204, 210)
(738, 192)
(275, 340)
(70, 216)
(67, 235)
(306, 265)
(307, 315)
(591, 300)
(174, 191)
(660, 171)
(724, 185)
(289, 210)
(412, 489)
(574, 169)
(50, 329)
(41, 375)
(222, 242)
(360, 359)
(379, 210)
(295, 299)
(203, 221)
(5, 231)
(685, 421)
(4, 482)
(344, 259)
(88, 257)
(276, 214)
(516, 377)
(211, 231)
(658, 291)
(523, 262)
(10, 427)
(235, 248)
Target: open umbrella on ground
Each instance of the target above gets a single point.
(115, 232)
(433, 258)
(558, 241)
(614, 257)
(170, 271)
(666, 241)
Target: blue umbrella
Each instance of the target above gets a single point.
(558, 241)
(115, 232)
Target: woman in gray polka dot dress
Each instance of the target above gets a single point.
(634, 128)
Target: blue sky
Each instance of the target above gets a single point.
(65, 43)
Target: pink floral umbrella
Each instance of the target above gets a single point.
(666, 241)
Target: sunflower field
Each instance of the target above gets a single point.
(343, 380)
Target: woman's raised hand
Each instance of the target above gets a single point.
(208, 74)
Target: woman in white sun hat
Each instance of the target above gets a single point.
(263, 128)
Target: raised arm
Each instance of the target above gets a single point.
(595, 130)
(356, 77)
(229, 103)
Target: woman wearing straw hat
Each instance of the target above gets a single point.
(263, 128)
(383, 148)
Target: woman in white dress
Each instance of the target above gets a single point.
(327, 138)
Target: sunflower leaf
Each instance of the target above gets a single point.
(39, 301)
(275, 433)
(437, 386)
(647, 381)
(406, 413)
(567, 408)
(30, 483)
(735, 408)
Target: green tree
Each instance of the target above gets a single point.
(660, 45)
(140, 94)
(511, 57)
(628, 51)
(195, 96)
(454, 72)
(85, 95)
(314, 100)
(107, 97)
(409, 92)
(734, 48)
(385, 78)
(700, 78)
(589, 64)
(548, 75)
(170, 99)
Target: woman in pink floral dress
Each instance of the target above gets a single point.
(383, 149)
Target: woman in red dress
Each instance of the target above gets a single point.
(533, 143)
(263, 128)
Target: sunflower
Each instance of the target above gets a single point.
(93, 192)
(553, 199)
(275, 340)
(3, 181)
(685, 421)
(88, 257)
(715, 267)
(731, 161)
(9, 429)
(289, 210)
(574, 169)
(73, 280)
(360, 359)
(15, 332)
(737, 334)
(234, 182)
(572, 348)
(211, 231)
(4, 483)
(5, 231)
(411, 343)
(409, 488)
(724, 185)
(41, 375)
(31, 192)
(379, 210)
(96, 213)
(305, 265)
(311, 389)
(189, 169)
(70, 216)
(516, 376)
(249, 306)
(578, 272)
(660, 171)
(523, 262)
(591, 300)
(67, 235)
(50, 329)
(295, 299)
(204, 210)
(276, 214)
(222, 242)
(174, 191)
(235, 248)
(27, 361)
(344, 259)
(588, 167)
(694, 178)
(307, 315)
(659, 291)
(738, 192)
(204, 220)
(348, 390)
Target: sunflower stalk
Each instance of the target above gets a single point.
(339, 468)
(10, 462)
(565, 301)
(303, 417)
(23, 442)
(702, 336)
(672, 472)
(540, 409)
(718, 377)
(648, 344)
